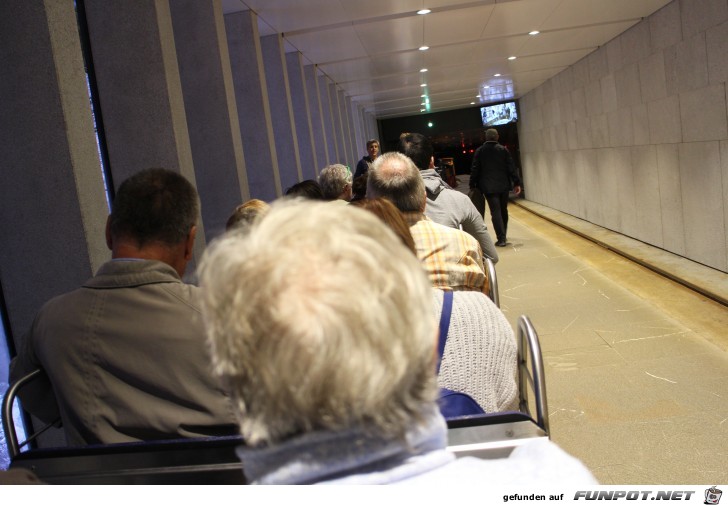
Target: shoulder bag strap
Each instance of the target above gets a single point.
(444, 324)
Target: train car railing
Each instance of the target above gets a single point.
(534, 378)
(496, 435)
(214, 460)
(492, 282)
(491, 276)
(11, 433)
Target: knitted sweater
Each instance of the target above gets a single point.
(480, 353)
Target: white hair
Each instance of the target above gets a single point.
(333, 180)
(319, 319)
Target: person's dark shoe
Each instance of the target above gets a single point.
(501, 243)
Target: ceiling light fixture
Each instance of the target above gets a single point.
(424, 48)
(496, 75)
(472, 103)
(423, 85)
(535, 32)
(422, 110)
(423, 70)
(422, 12)
(512, 57)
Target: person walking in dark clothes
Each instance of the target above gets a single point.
(494, 174)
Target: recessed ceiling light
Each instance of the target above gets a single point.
(422, 110)
(487, 87)
(496, 75)
(423, 70)
(424, 48)
(512, 57)
(422, 12)
(423, 85)
(423, 103)
(535, 32)
(472, 103)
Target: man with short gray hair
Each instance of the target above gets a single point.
(445, 205)
(335, 181)
(451, 257)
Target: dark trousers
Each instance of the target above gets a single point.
(498, 205)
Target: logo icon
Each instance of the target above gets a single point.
(712, 496)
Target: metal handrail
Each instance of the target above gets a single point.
(11, 435)
(528, 339)
(492, 282)
(492, 277)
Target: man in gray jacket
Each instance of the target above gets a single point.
(445, 205)
(125, 354)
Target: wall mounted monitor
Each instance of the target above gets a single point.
(502, 113)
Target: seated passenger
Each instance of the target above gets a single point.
(246, 213)
(445, 205)
(336, 181)
(391, 216)
(359, 188)
(451, 257)
(480, 352)
(333, 370)
(126, 353)
(306, 189)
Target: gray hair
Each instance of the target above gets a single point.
(394, 176)
(333, 180)
(311, 334)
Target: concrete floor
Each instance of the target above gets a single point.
(636, 364)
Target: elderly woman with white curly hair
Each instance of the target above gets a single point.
(330, 357)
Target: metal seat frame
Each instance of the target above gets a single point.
(214, 460)
(492, 282)
(11, 434)
(497, 435)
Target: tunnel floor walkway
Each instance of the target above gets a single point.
(636, 364)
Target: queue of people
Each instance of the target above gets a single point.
(313, 332)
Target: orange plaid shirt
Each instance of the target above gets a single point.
(452, 258)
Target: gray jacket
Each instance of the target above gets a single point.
(127, 359)
(452, 208)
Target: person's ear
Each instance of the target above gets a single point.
(109, 242)
(190, 243)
